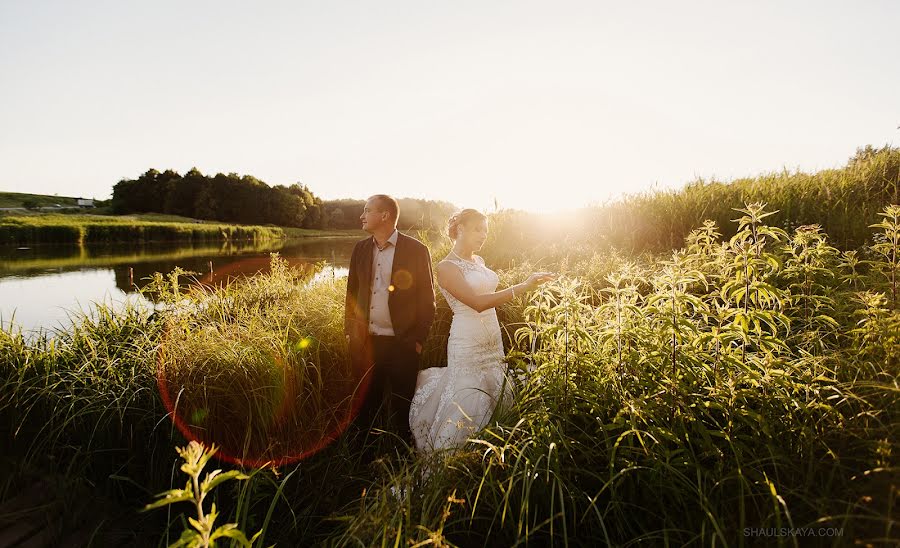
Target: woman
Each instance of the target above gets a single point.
(450, 403)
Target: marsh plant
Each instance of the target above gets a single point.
(261, 369)
(203, 532)
(681, 400)
(887, 249)
(746, 380)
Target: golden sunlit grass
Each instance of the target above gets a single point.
(260, 367)
(844, 202)
(747, 380)
(737, 384)
(54, 228)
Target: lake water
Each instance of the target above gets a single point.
(41, 286)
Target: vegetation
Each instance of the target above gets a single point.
(744, 382)
(414, 214)
(844, 202)
(246, 199)
(202, 534)
(275, 341)
(80, 229)
(230, 198)
(20, 199)
(736, 384)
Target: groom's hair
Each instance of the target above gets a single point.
(389, 204)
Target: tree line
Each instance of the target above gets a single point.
(414, 213)
(245, 199)
(229, 198)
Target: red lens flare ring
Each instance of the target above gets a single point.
(289, 409)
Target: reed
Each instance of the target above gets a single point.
(79, 229)
(259, 369)
(842, 201)
(709, 394)
(746, 381)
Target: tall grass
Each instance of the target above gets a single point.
(31, 229)
(842, 201)
(733, 387)
(80, 410)
(259, 369)
(745, 381)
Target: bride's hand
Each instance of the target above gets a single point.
(539, 278)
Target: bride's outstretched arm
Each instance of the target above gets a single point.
(450, 277)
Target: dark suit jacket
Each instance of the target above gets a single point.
(411, 302)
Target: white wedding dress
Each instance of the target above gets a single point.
(451, 403)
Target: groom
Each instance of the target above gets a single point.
(388, 312)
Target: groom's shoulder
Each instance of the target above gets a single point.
(362, 242)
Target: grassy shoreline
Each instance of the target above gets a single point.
(738, 383)
(85, 228)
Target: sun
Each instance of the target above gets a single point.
(546, 203)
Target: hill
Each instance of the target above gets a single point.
(20, 199)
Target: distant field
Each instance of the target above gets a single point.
(18, 199)
(47, 218)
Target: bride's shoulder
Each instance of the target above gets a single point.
(451, 265)
(447, 262)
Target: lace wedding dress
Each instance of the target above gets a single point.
(451, 403)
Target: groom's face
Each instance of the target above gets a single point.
(373, 217)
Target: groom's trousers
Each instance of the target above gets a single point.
(393, 382)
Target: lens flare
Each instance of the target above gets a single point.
(261, 404)
(403, 279)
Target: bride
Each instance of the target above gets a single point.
(450, 403)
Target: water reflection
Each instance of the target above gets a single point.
(34, 303)
(41, 286)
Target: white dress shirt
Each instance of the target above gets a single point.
(382, 265)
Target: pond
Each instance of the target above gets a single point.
(43, 285)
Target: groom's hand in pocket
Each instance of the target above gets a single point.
(418, 348)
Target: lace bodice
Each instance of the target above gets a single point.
(481, 278)
(451, 403)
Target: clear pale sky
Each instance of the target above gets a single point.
(540, 105)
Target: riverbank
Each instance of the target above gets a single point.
(45, 228)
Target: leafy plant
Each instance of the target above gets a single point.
(664, 399)
(810, 272)
(204, 532)
(749, 281)
(887, 247)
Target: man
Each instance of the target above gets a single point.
(388, 312)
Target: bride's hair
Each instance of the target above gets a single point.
(462, 217)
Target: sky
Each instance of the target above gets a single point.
(534, 105)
